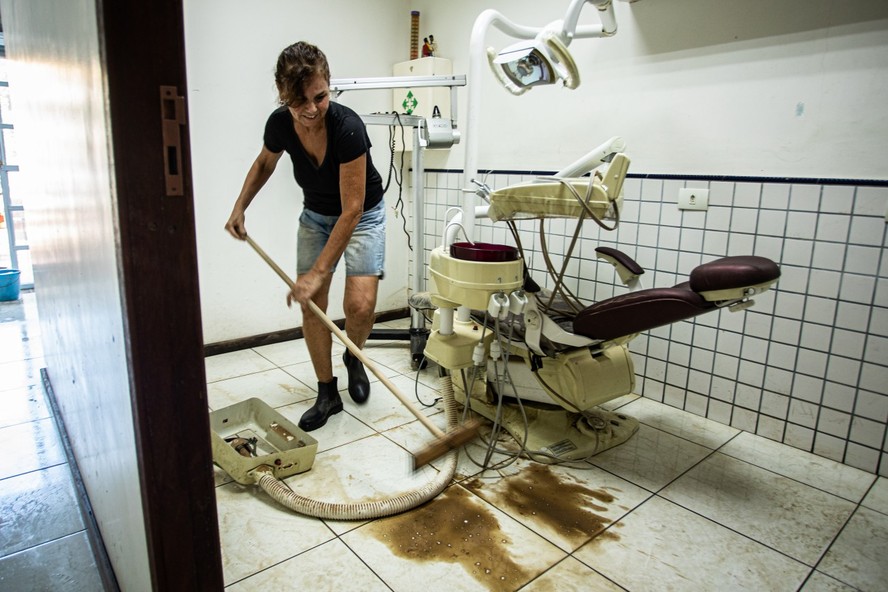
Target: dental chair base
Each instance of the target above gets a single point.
(547, 422)
(552, 434)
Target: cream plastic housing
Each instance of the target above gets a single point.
(542, 60)
(454, 351)
(737, 293)
(544, 198)
(581, 379)
(550, 197)
(471, 283)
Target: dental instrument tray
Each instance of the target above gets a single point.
(563, 197)
(548, 198)
(250, 434)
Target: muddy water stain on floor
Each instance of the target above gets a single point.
(455, 527)
(570, 509)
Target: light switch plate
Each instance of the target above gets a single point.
(691, 198)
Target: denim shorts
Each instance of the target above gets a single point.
(365, 252)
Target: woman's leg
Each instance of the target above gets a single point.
(359, 305)
(317, 335)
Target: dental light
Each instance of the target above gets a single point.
(544, 60)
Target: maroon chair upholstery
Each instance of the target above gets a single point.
(642, 310)
(639, 311)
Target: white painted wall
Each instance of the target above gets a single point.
(786, 89)
(231, 50)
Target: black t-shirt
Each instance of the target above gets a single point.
(347, 139)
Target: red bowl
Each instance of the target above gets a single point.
(486, 252)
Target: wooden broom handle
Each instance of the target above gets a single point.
(354, 349)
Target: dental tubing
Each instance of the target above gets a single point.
(371, 509)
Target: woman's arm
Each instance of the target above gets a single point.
(257, 176)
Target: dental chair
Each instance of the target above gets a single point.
(539, 363)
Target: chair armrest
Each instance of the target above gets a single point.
(626, 267)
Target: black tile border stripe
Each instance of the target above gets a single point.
(713, 178)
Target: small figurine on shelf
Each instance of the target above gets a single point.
(433, 46)
(426, 48)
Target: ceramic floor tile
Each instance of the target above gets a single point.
(330, 567)
(700, 430)
(275, 387)
(415, 437)
(20, 342)
(22, 405)
(389, 373)
(619, 402)
(62, 564)
(20, 373)
(368, 470)
(257, 532)
(37, 507)
(362, 471)
(571, 576)
(384, 411)
(662, 546)
(651, 458)
(36, 445)
(567, 506)
(473, 455)
(455, 542)
(285, 353)
(877, 498)
(430, 375)
(858, 555)
(236, 363)
(823, 473)
(395, 355)
(220, 477)
(819, 582)
(340, 428)
(304, 372)
(789, 516)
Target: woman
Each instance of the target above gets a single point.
(343, 213)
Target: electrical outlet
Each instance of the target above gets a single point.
(691, 198)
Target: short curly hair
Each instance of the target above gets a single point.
(296, 65)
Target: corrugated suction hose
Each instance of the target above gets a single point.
(375, 509)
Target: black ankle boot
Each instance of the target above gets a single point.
(358, 383)
(328, 403)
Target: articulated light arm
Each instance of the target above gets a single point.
(594, 158)
(477, 51)
(607, 27)
(552, 41)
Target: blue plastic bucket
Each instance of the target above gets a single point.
(9, 284)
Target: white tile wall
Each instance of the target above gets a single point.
(808, 365)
